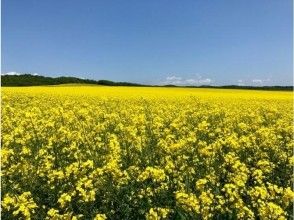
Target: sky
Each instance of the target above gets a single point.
(191, 42)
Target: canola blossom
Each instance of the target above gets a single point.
(94, 152)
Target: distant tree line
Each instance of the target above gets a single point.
(32, 80)
(277, 88)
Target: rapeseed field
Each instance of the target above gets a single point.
(93, 152)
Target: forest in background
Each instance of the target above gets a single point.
(36, 80)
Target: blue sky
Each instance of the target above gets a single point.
(156, 41)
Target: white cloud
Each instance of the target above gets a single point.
(173, 78)
(240, 82)
(261, 82)
(11, 73)
(177, 80)
(253, 82)
(17, 74)
(204, 81)
(257, 80)
(191, 81)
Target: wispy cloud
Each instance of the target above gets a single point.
(172, 78)
(260, 82)
(17, 74)
(253, 82)
(177, 80)
(257, 81)
(191, 81)
(11, 73)
(240, 82)
(204, 81)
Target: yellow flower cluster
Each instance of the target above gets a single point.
(94, 152)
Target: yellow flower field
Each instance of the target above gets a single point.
(94, 152)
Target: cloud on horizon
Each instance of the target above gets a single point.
(260, 82)
(17, 74)
(253, 82)
(177, 80)
(11, 74)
